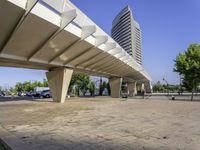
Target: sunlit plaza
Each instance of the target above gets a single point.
(103, 75)
(102, 123)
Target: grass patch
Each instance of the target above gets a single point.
(3, 146)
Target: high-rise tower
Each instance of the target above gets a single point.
(126, 32)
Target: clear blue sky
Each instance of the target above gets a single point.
(168, 27)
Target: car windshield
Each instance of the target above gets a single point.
(45, 91)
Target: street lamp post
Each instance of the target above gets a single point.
(100, 82)
(167, 85)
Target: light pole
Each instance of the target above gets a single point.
(100, 82)
(167, 85)
(180, 88)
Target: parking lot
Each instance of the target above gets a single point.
(102, 123)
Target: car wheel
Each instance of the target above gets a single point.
(47, 96)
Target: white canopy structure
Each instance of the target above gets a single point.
(57, 36)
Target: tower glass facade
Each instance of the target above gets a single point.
(126, 32)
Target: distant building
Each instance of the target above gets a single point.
(126, 32)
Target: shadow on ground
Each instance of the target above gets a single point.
(12, 99)
(60, 144)
(184, 98)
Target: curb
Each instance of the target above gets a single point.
(11, 142)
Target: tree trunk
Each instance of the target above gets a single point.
(84, 92)
(192, 95)
(78, 92)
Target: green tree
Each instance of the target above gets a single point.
(187, 64)
(11, 91)
(108, 88)
(91, 88)
(19, 87)
(37, 84)
(45, 83)
(100, 89)
(158, 87)
(81, 81)
(29, 86)
(104, 84)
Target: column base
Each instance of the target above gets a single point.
(115, 86)
(59, 80)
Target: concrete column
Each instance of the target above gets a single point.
(115, 86)
(131, 89)
(142, 87)
(59, 80)
(135, 88)
(138, 87)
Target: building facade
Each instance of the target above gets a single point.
(126, 32)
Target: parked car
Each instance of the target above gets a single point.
(28, 93)
(2, 94)
(46, 94)
(21, 94)
(35, 94)
(124, 95)
(38, 90)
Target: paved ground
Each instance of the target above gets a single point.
(104, 124)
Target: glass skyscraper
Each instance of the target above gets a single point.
(126, 32)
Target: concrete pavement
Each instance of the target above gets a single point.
(104, 124)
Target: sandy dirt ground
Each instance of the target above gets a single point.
(104, 124)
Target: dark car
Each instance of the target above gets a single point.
(2, 94)
(28, 94)
(35, 94)
(21, 94)
(124, 95)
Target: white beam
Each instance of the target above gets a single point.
(124, 58)
(29, 6)
(98, 41)
(66, 18)
(115, 51)
(105, 64)
(85, 32)
(110, 45)
(101, 39)
(120, 55)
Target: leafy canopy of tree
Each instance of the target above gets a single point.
(102, 86)
(91, 88)
(79, 82)
(108, 87)
(159, 87)
(83, 83)
(29, 86)
(187, 64)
